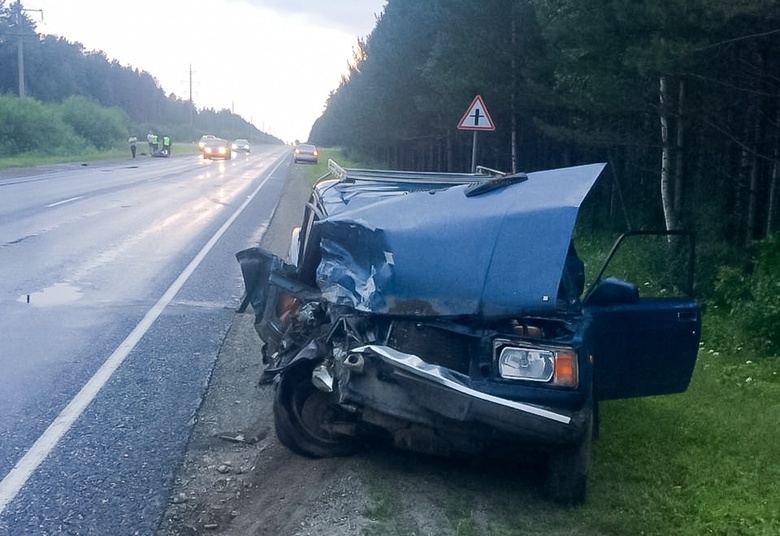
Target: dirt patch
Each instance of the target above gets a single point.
(237, 479)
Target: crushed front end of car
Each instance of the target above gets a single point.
(440, 312)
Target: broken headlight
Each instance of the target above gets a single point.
(556, 366)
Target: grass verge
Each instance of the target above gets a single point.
(313, 172)
(117, 153)
(701, 462)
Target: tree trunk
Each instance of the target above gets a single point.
(513, 96)
(450, 157)
(772, 204)
(740, 189)
(679, 152)
(752, 209)
(616, 189)
(667, 200)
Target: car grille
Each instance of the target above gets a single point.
(432, 344)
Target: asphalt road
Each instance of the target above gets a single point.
(118, 283)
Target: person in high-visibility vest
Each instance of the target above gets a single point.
(155, 143)
(167, 145)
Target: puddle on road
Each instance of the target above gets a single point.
(57, 294)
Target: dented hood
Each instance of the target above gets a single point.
(436, 252)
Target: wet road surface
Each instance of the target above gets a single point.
(118, 282)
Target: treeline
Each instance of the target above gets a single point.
(132, 101)
(60, 129)
(680, 97)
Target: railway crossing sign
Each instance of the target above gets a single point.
(476, 117)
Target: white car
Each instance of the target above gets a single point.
(241, 145)
(306, 153)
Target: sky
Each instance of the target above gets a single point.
(274, 62)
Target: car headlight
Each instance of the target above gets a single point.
(555, 366)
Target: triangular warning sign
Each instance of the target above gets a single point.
(476, 117)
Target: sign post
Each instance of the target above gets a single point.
(476, 118)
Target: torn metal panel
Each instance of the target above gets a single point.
(437, 252)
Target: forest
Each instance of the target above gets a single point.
(680, 97)
(70, 92)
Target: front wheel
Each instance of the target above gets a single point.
(567, 470)
(305, 417)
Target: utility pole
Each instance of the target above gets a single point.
(20, 51)
(20, 43)
(191, 104)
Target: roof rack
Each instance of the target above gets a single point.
(483, 174)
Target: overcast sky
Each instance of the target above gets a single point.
(274, 62)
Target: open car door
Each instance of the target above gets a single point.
(646, 325)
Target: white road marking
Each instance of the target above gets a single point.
(13, 482)
(72, 199)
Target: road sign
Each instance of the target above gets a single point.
(476, 117)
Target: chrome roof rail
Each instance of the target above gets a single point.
(336, 170)
(425, 177)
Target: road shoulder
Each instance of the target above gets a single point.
(235, 477)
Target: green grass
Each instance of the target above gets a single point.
(117, 153)
(701, 462)
(31, 159)
(706, 461)
(312, 172)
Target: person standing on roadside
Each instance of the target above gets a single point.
(132, 140)
(155, 144)
(167, 145)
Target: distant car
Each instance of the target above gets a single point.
(214, 147)
(203, 140)
(241, 145)
(306, 153)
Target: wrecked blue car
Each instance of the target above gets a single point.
(447, 313)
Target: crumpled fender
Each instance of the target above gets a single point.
(442, 253)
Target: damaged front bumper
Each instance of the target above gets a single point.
(402, 386)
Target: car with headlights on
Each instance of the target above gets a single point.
(305, 152)
(214, 147)
(465, 325)
(202, 141)
(240, 145)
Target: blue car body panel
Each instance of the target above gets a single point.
(433, 251)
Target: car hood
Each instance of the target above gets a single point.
(437, 252)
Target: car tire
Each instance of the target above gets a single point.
(300, 410)
(567, 470)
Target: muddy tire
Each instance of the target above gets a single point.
(567, 470)
(302, 414)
